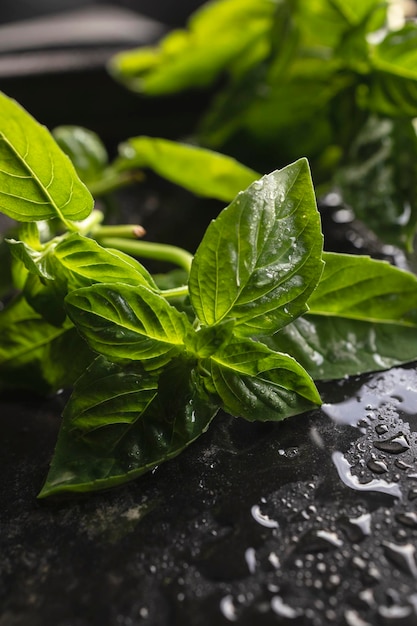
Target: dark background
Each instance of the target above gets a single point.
(172, 12)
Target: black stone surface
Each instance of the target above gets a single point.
(254, 524)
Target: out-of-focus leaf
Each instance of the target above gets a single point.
(37, 355)
(85, 149)
(393, 81)
(188, 58)
(204, 172)
(379, 178)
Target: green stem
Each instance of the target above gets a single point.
(112, 180)
(150, 250)
(126, 231)
(175, 292)
(91, 223)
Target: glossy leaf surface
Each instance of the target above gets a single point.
(334, 347)
(201, 171)
(124, 322)
(358, 287)
(139, 440)
(260, 259)
(258, 384)
(84, 262)
(37, 180)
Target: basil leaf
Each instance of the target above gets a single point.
(110, 394)
(6, 283)
(393, 83)
(85, 149)
(84, 262)
(260, 259)
(44, 297)
(119, 452)
(256, 383)
(35, 354)
(187, 58)
(358, 287)
(35, 261)
(379, 177)
(204, 172)
(331, 348)
(209, 339)
(124, 322)
(37, 180)
(362, 318)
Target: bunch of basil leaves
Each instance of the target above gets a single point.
(262, 312)
(331, 80)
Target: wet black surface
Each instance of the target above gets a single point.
(310, 521)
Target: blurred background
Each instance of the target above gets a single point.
(172, 12)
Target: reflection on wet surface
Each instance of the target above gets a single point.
(308, 521)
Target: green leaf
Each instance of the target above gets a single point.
(36, 261)
(330, 348)
(110, 394)
(325, 22)
(260, 259)
(187, 58)
(35, 354)
(358, 287)
(362, 318)
(37, 180)
(256, 383)
(379, 178)
(6, 283)
(84, 262)
(136, 439)
(85, 149)
(393, 81)
(44, 297)
(204, 172)
(209, 339)
(124, 322)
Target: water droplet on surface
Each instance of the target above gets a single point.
(284, 610)
(402, 464)
(356, 528)
(353, 618)
(377, 466)
(395, 613)
(381, 429)
(394, 445)
(250, 558)
(403, 556)
(274, 560)
(330, 537)
(412, 494)
(228, 609)
(382, 486)
(262, 519)
(408, 518)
